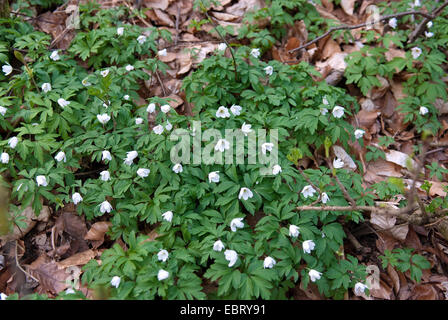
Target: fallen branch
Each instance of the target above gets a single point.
(361, 25)
(422, 26)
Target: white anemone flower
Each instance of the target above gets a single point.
(314, 275)
(77, 198)
(213, 177)
(269, 263)
(245, 193)
(236, 223)
(308, 246)
(308, 191)
(105, 207)
(236, 109)
(177, 168)
(222, 145)
(162, 255)
(294, 231)
(218, 246)
(231, 256)
(168, 216)
(222, 112)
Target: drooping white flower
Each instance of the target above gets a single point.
(177, 168)
(213, 177)
(63, 103)
(7, 69)
(325, 101)
(267, 146)
(168, 126)
(105, 207)
(120, 31)
(158, 129)
(269, 70)
(106, 155)
(162, 255)
(168, 216)
(294, 231)
(393, 23)
(222, 112)
(246, 128)
(103, 118)
(55, 55)
(162, 53)
(3, 296)
(222, 145)
(218, 245)
(416, 52)
(325, 197)
(115, 282)
(338, 163)
(46, 87)
(13, 141)
(308, 191)
(429, 24)
(423, 110)
(416, 3)
(143, 172)
(359, 288)
(129, 67)
(3, 110)
(85, 83)
(141, 39)
(255, 52)
(314, 275)
(231, 256)
(104, 73)
(245, 193)
(236, 109)
(165, 108)
(163, 274)
(77, 198)
(4, 158)
(269, 263)
(138, 120)
(60, 156)
(236, 223)
(126, 97)
(151, 108)
(338, 112)
(323, 111)
(359, 133)
(41, 181)
(276, 169)
(429, 34)
(308, 246)
(130, 157)
(105, 175)
(222, 46)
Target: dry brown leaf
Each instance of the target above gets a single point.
(176, 101)
(156, 4)
(383, 292)
(397, 90)
(340, 153)
(424, 292)
(30, 218)
(51, 278)
(382, 221)
(367, 118)
(98, 230)
(331, 47)
(185, 62)
(221, 4)
(163, 18)
(78, 259)
(170, 56)
(225, 16)
(394, 277)
(241, 7)
(378, 92)
(437, 188)
(401, 159)
(348, 6)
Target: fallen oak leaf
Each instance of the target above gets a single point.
(78, 259)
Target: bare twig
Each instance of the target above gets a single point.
(361, 25)
(20, 267)
(343, 189)
(422, 26)
(161, 83)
